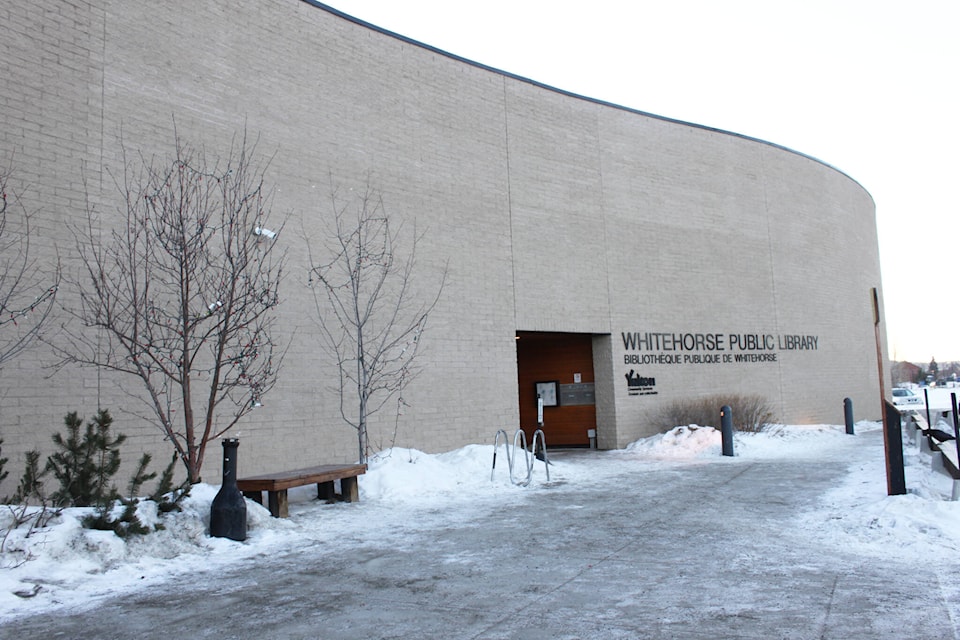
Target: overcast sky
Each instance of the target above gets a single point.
(871, 87)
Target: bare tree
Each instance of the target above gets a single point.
(26, 292)
(182, 294)
(373, 321)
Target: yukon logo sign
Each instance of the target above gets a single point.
(637, 385)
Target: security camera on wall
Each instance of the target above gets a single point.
(263, 232)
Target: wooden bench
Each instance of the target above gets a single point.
(916, 426)
(943, 453)
(276, 485)
(944, 459)
(947, 463)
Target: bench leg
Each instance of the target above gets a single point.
(349, 489)
(325, 491)
(955, 495)
(256, 496)
(936, 462)
(278, 503)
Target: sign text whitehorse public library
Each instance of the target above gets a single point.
(651, 347)
(668, 348)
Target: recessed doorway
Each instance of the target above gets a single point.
(560, 366)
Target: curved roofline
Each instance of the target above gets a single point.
(571, 94)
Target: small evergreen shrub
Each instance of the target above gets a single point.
(31, 505)
(750, 412)
(166, 495)
(31, 482)
(84, 466)
(127, 522)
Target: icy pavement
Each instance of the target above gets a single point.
(782, 541)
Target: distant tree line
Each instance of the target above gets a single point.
(904, 372)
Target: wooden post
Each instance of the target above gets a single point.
(326, 492)
(277, 503)
(349, 489)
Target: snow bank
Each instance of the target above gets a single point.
(687, 442)
(405, 489)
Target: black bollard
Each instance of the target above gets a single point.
(228, 512)
(726, 429)
(848, 415)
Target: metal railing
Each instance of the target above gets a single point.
(529, 456)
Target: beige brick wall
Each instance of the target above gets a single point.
(552, 213)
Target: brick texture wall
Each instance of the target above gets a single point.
(549, 213)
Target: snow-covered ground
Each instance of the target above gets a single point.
(939, 397)
(69, 566)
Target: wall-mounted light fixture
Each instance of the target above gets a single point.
(261, 231)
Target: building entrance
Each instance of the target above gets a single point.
(560, 367)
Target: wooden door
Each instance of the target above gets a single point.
(567, 360)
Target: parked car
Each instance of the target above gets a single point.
(906, 398)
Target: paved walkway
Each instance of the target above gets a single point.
(694, 551)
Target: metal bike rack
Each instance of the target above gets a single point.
(529, 456)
